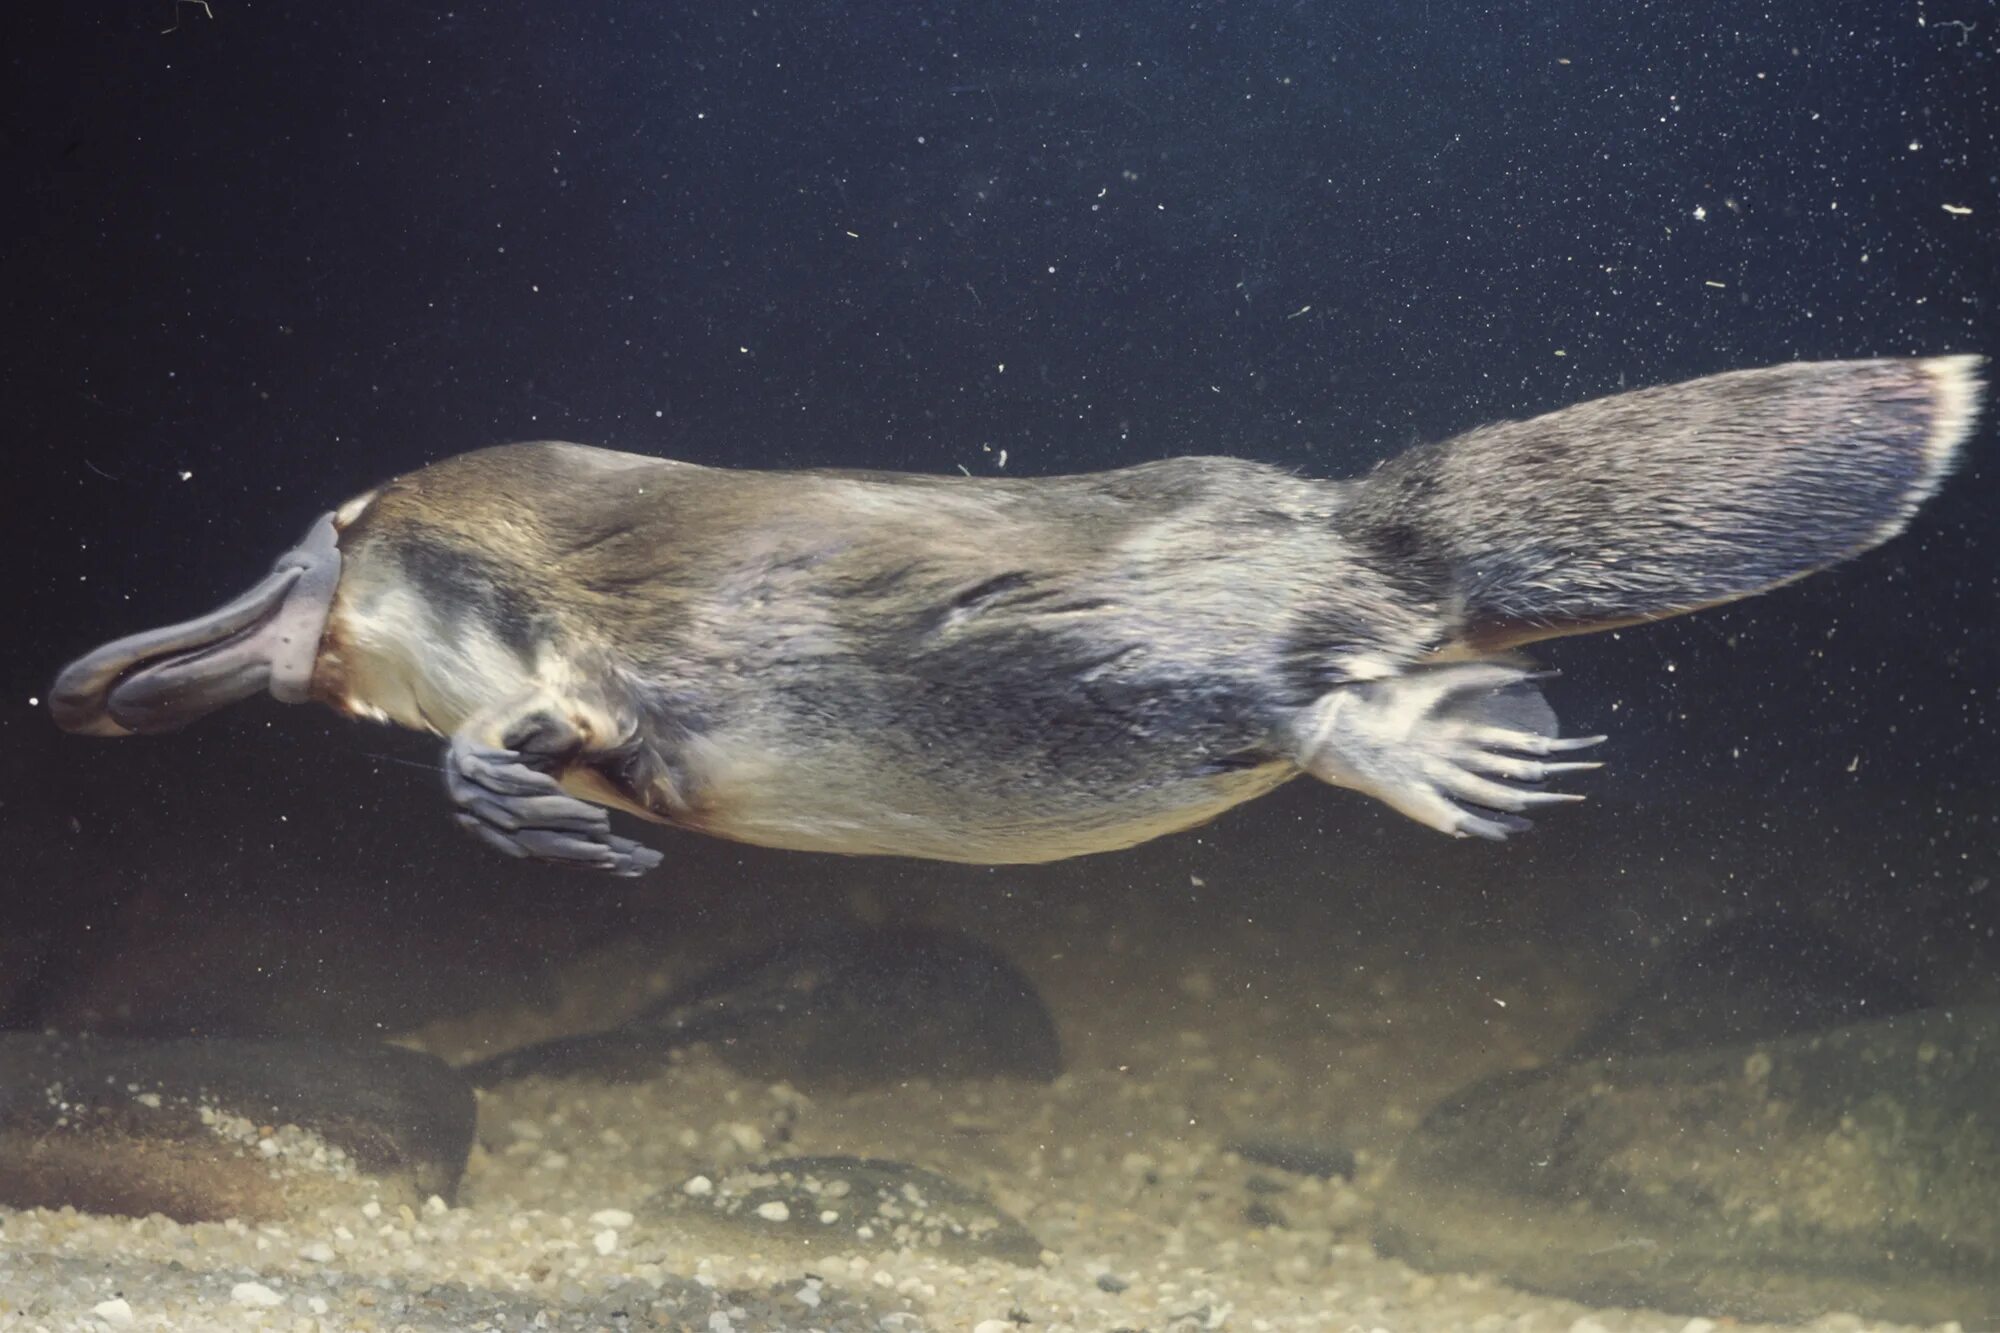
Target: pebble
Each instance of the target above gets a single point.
(613, 1217)
(1320, 1161)
(254, 1294)
(699, 1188)
(116, 1312)
(992, 1326)
(606, 1241)
(906, 1205)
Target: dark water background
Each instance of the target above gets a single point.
(254, 264)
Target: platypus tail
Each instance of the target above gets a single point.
(1665, 500)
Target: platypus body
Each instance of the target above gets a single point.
(1011, 670)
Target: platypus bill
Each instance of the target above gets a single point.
(1010, 670)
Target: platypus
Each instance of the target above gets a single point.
(1001, 669)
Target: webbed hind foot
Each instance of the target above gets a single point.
(1462, 748)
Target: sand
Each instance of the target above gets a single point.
(1195, 1014)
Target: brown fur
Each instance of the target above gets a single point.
(994, 669)
(1668, 499)
(1021, 669)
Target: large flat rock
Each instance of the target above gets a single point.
(1855, 1169)
(210, 1128)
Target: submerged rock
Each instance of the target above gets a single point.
(1700, 1151)
(849, 1203)
(210, 1128)
(1751, 979)
(1318, 1160)
(845, 1009)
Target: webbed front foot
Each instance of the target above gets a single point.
(510, 800)
(1460, 748)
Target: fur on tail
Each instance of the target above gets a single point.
(1665, 500)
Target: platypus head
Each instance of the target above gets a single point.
(267, 639)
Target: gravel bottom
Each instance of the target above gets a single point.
(1184, 1037)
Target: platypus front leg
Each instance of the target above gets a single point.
(1461, 748)
(509, 797)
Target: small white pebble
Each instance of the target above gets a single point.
(117, 1313)
(774, 1211)
(606, 1241)
(371, 1210)
(268, 1147)
(699, 1188)
(829, 1217)
(255, 1293)
(719, 1323)
(808, 1295)
(319, 1252)
(436, 1206)
(992, 1326)
(1698, 1326)
(612, 1217)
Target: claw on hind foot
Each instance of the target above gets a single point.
(1459, 748)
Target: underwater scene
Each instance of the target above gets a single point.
(1040, 668)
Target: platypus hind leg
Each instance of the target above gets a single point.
(1461, 748)
(508, 795)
